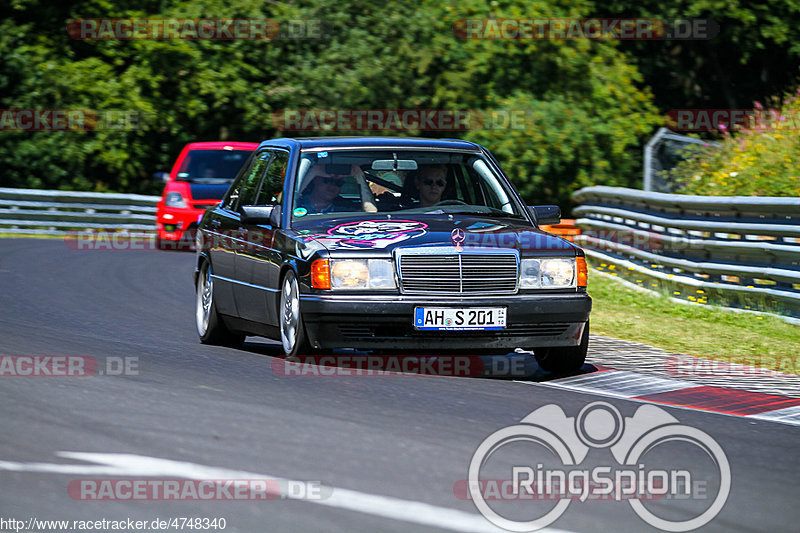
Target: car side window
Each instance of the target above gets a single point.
(271, 191)
(232, 196)
(247, 187)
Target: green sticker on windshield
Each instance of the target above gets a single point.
(300, 212)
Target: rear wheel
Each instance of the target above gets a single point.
(564, 359)
(210, 327)
(293, 333)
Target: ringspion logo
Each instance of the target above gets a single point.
(518, 471)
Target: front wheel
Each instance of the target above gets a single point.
(564, 359)
(293, 334)
(210, 327)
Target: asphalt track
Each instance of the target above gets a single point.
(387, 450)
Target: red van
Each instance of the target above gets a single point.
(198, 180)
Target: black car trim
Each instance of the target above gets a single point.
(236, 281)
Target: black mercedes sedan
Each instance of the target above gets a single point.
(384, 244)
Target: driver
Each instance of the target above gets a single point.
(431, 181)
(322, 194)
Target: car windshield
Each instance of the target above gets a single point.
(212, 166)
(408, 181)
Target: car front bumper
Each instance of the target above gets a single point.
(173, 223)
(386, 322)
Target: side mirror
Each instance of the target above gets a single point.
(261, 214)
(545, 214)
(161, 176)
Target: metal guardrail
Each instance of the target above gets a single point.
(43, 212)
(733, 251)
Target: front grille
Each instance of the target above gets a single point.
(459, 273)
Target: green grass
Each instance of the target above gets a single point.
(28, 236)
(693, 329)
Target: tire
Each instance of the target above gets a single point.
(210, 327)
(293, 332)
(566, 359)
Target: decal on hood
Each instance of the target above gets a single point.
(370, 233)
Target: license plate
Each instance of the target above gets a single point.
(459, 318)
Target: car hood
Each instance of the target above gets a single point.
(457, 234)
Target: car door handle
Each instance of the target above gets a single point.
(215, 223)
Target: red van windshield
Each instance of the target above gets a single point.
(212, 165)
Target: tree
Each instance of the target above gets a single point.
(586, 111)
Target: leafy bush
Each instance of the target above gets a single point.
(760, 159)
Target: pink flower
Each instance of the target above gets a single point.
(758, 105)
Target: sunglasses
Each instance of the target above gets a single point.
(333, 181)
(430, 182)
